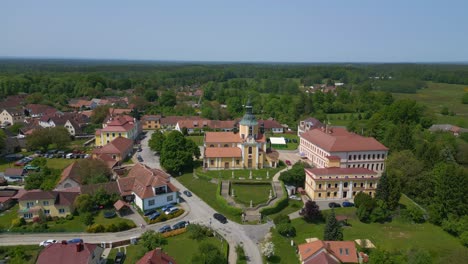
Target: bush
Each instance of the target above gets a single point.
(464, 238)
(415, 214)
(96, 228)
(69, 217)
(175, 232)
(280, 219)
(18, 222)
(87, 218)
(112, 228)
(122, 226)
(198, 232)
(286, 229)
(278, 206)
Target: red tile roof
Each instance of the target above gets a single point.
(13, 172)
(119, 145)
(334, 251)
(223, 152)
(120, 204)
(341, 140)
(61, 198)
(269, 124)
(156, 256)
(71, 172)
(59, 253)
(222, 137)
(172, 120)
(339, 171)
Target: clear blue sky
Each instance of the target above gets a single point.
(237, 30)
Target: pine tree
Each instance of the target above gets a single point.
(388, 190)
(332, 230)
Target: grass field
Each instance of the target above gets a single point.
(398, 235)
(439, 95)
(59, 163)
(180, 247)
(197, 139)
(7, 216)
(293, 206)
(257, 193)
(29, 254)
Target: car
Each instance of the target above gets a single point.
(47, 242)
(75, 241)
(165, 229)
(69, 156)
(119, 258)
(139, 158)
(31, 167)
(188, 193)
(149, 212)
(221, 218)
(180, 224)
(154, 215)
(334, 205)
(139, 149)
(347, 204)
(288, 162)
(294, 197)
(171, 210)
(166, 207)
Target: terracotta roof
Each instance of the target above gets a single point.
(71, 172)
(61, 198)
(119, 124)
(269, 124)
(319, 251)
(119, 145)
(341, 140)
(223, 152)
(37, 109)
(222, 137)
(150, 118)
(5, 199)
(106, 158)
(119, 111)
(333, 158)
(339, 171)
(59, 253)
(172, 120)
(13, 172)
(120, 204)
(65, 198)
(156, 256)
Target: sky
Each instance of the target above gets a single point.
(247, 31)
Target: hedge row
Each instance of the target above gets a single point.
(175, 232)
(250, 182)
(163, 217)
(278, 206)
(120, 226)
(223, 203)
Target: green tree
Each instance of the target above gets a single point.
(419, 256)
(151, 240)
(333, 231)
(465, 98)
(2, 139)
(177, 153)
(157, 140)
(99, 114)
(151, 95)
(83, 203)
(389, 191)
(44, 137)
(93, 171)
(208, 253)
(168, 98)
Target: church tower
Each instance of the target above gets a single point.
(248, 126)
(252, 150)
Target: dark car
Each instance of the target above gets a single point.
(221, 218)
(188, 193)
(165, 229)
(180, 224)
(75, 241)
(149, 212)
(119, 258)
(139, 158)
(154, 215)
(288, 162)
(334, 205)
(347, 204)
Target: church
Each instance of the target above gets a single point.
(242, 149)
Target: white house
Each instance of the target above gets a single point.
(148, 188)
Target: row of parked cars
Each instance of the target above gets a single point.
(168, 209)
(77, 154)
(176, 226)
(345, 204)
(52, 241)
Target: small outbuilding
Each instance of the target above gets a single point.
(122, 208)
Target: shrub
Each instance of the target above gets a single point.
(112, 228)
(416, 214)
(278, 206)
(122, 226)
(464, 238)
(175, 232)
(18, 222)
(96, 228)
(286, 229)
(88, 218)
(69, 217)
(280, 219)
(198, 232)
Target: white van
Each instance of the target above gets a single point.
(69, 156)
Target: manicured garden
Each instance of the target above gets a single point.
(238, 174)
(257, 193)
(398, 235)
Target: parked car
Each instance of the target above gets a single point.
(31, 167)
(171, 210)
(139, 149)
(47, 242)
(188, 193)
(149, 212)
(347, 204)
(75, 241)
(221, 218)
(288, 162)
(333, 205)
(119, 258)
(180, 224)
(164, 208)
(294, 197)
(69, 156)
(21, 162)
(154, 215)
(165, 229)
(139, 158)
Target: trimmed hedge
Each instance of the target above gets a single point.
(163, 217)
(223, 203)
(251, 182)
(175, 232)
(278, 206)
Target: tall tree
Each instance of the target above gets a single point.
(333, 231)
(157, 140)
(151, 240)
(389, 191)
(312, 211)
(177, 153)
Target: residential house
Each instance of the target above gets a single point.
(11, 116)
(120, 126)
(14, 174)
(456, 131)
(81, 253)
(118, 149)
(170, 122)
(53, 203)
(38, 110)
(156, 256)
(151, 121)
(80, 104)
(68, 120)
(271, 126)
(6, 198)
(331, 252)
(192, 125)
(245, 149)
(308, 124)
(70, 177)
(148, 188)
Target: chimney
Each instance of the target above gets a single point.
(64, 242)
(79, 247)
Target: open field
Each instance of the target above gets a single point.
(180, 247)
(439, 95)
(257, 193)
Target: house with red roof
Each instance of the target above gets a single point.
(118, 150)
(38, 110)
(81, 253)
(156, 256)
(345, 163)
(148, 188)
(331, 252)
(50, 203)
(271, 126)
(119, 126)
(151, 121)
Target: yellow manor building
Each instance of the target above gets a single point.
(246, 149)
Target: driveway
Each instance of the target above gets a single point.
(291, 155)
(147, 154)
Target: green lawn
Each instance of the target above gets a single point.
(293, 206)
(197, 139)
(439, 95)
(7, 216)
(393, 236)
(290, 145)
(63, 225)
(59, 163)
(341, 119)
(100, 219)
(29, 254)
(227, 174)
(206, 190)
(180, 247)
(257, 193)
